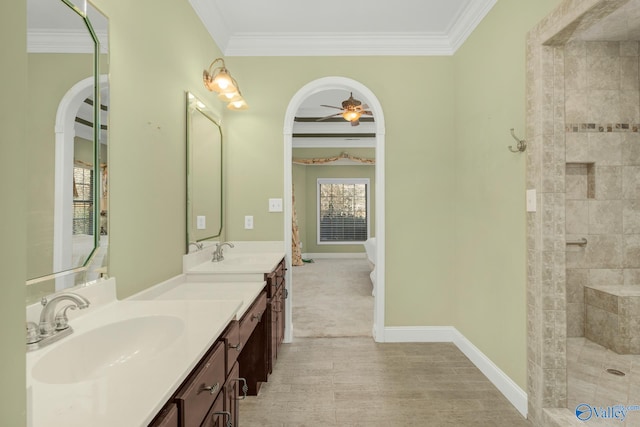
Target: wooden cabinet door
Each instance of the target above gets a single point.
(217, 416)
(232, 394)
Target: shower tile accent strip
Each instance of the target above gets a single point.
(601, 127)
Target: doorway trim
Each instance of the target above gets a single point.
(313, 87)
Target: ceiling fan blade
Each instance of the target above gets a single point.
(328, 117)
(355, 123)
(368, 113)
(331, 106)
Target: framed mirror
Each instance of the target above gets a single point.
(67, 191)
(204, 172)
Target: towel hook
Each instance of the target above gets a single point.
(522, 144)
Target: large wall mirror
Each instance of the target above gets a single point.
(204, 172)
(67, 189)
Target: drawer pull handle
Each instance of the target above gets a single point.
(225, 414)
(237, 347)
(245, 388)
(211, 389)
(257, 317)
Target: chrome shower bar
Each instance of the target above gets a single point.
(579, 242)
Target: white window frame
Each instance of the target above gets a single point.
(366, 182)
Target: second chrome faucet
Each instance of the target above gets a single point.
(217, 254)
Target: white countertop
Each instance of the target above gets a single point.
(130, 388)
(132, 392)
(239, 263)
(129, 393)
(179, 288)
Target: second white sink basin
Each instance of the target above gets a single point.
(94, 353)
(244, 260)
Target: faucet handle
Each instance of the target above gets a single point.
(62, 321)
(33, 335)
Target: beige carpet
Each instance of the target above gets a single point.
(332, 298)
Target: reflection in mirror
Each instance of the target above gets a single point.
(204, 172)
(68, 113)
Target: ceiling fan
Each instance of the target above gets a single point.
(352, 109)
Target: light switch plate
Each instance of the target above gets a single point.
(531, 200)
(248, 222)
(275, 205)
(201, 222)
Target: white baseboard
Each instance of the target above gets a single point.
(335, 255)
(503, 383)
(419, 333)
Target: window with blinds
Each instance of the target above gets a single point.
(82, 200)
(343, 210)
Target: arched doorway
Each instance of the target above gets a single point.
(311, 88)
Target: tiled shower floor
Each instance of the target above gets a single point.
(589, 382)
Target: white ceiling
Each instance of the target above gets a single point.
(338, 27)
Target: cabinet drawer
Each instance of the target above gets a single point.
(217, 417)
(168, 417)
(252, 317)
(232, 342)
(199, 392)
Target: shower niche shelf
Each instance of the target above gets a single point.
(580, 180)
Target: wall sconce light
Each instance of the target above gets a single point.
(218, 79)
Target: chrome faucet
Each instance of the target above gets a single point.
(198, 245)
(53, 326)
(217, 254)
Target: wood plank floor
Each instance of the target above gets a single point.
(348, 380)
(357, 382)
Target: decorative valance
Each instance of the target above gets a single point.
(343, 155)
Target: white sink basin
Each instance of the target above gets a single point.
(244, 260)
(103, 349)
(240, 263)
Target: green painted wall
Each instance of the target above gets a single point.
(13, 172)
(154, 59)
(420, 138)
(490, 266)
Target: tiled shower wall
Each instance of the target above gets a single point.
(602, 175)
(546, 168)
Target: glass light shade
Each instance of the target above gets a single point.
(241, 104)
(350, 116)
(219, 81)
(230, 97)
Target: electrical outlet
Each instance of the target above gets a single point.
(201, 222)
(275, 205)
(248, 222)
(531, 200)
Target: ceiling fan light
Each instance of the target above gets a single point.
(351, 115)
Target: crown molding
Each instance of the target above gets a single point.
(341, 44)
(468, 21)
(56, 41)
(213, 22)
(338, 44)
